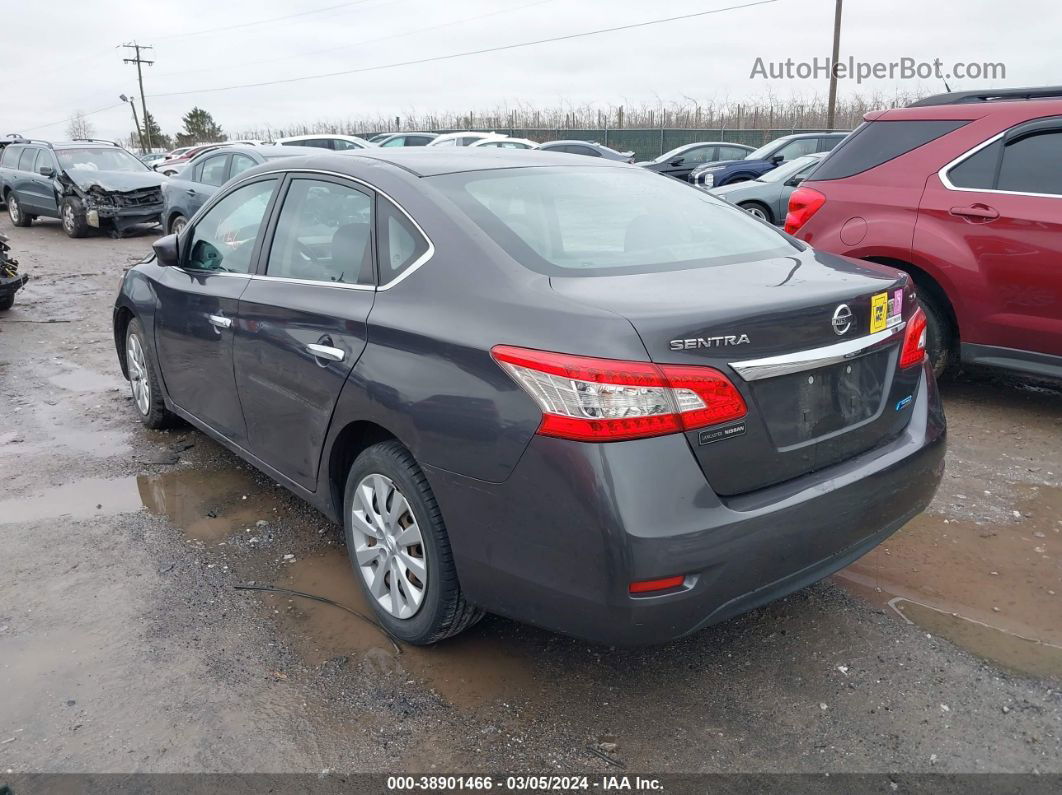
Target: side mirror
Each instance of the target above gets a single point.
(677, 161)
(167, 251)
(792, 182)
(777, 159)
(46, 171)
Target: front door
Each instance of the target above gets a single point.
(302, 321)
(198, 303)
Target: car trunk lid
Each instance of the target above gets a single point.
(811, 341)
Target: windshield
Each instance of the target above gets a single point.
(98, 159)
(603, 221)
(763, 151)
(787, 170)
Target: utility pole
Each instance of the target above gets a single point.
(136, 123)
(831, 110)
(140, 76)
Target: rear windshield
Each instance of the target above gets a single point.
(877, 142)
(604, 221)
(98, 159)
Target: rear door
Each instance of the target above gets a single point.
(303, 320)
(1003, 204)
(198, 302)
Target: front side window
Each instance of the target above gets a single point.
(798, 148)
(214, 170)
(109, 158)
(1033, 164)
(323, 234)
(590, 221)
(399, 141)
(731, 153)
(448, 142)
(224, 238)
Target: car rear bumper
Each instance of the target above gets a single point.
(559, 542)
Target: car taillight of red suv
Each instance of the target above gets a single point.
(963, 192)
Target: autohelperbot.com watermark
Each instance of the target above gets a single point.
(905, 68)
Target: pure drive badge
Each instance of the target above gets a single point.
(709, 342)
(715, 434)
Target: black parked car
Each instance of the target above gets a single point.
(554, 388)
(588, 148)
(86, 184)
(680, 161)
(185, 193)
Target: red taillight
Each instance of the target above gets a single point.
(606, 400)
(803, 204)
(664, 584)
(914, 339)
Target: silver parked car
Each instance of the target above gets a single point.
(767, 196)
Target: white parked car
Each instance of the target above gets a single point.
(334, 142)
(466, 138)
(504, 143)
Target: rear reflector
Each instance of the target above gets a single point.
(665, 584)
(803, 203)
(607, 400)
(914, 339)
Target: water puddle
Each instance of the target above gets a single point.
(206, 505)
(471, 670)
(81, 379)
(992, 588)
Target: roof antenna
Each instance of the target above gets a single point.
(947, 87)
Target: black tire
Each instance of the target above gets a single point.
(155, 415)
(759, 210)
(444, 612)
(15, 212)
(177, 224)
(7, 301)
(939, 338)
(72, 217)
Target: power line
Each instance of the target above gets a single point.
(353, 44)
(467, 53)
(259, 21)
(63, 121)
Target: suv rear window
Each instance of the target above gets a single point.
(10, 157)
(877, 142)
(580, 221)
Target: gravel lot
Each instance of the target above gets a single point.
(125, 647)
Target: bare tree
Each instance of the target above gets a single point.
(79, 126)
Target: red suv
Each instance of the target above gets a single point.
(964, 192)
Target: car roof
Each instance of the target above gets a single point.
(427, 162)
(1017, 110)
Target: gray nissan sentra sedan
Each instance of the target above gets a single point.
(571, 393)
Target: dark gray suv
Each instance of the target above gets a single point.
(86, 184)
(559, 389)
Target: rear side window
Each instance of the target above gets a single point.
(978, 170)
(877, 142)
(401, 243)
(10, 158)
(25, 163)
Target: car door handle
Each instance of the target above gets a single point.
(190, 191)
(979, 212)
(326, 352)
(220, 321)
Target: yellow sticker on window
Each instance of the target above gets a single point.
(879, 311)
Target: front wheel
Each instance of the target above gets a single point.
(72, 214)
(178, 224)
(15, 213)
(399, 549)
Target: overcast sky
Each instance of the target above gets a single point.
(61, 56)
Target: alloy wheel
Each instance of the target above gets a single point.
(388, 546)
(756, 212)
(138, 374)
(13, 209)
(68, 218)
(178, 226)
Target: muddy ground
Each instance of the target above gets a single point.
(124, 645)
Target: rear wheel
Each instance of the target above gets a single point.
(7, 301)
(399, 549)
(939, 339)
(15, 212)
(758, 210)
